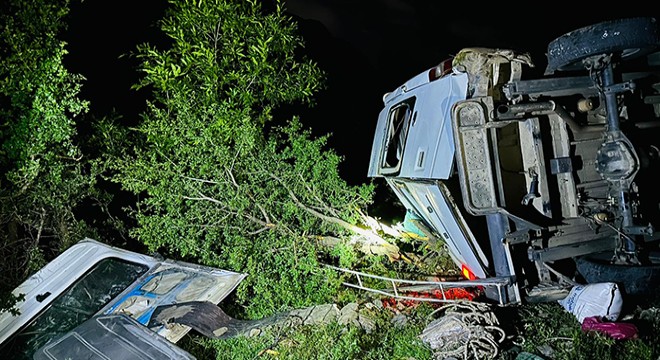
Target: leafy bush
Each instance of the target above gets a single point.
(45, 178)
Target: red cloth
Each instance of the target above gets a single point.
(616, 330)
(449, 294)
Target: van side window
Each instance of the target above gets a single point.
(398, 123)
(89, 294)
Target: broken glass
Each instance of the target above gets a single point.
(89, 294)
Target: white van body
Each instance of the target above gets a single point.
(542, 181)
(422, 110)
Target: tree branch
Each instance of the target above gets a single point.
(324, 205)
(330, 219)
(200, 180)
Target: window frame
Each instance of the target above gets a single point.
(399, 120)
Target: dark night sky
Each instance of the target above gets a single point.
(367, 48)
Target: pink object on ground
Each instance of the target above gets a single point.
(616, 330)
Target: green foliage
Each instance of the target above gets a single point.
(283, 273)
(228, 56)
(220, 182)
(549, 325)
(45, 176)
(8, 302)
(238, 348)
(328, 341)
(345, 254)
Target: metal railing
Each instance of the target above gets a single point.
(398, 290)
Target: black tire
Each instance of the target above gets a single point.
(627, 38)
(633, 280)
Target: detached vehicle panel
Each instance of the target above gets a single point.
(92, 279)
(545, 180)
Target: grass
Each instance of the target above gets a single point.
(330, 341)
(546, 330)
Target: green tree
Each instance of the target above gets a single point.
(44, 174)
(221, 180)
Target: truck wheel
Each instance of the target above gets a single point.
(627, 38)
(634, 280)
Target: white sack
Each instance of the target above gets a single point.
(602, 299)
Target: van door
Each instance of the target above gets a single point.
(431, 201)
(414, 137)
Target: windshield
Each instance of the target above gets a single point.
(107, 279)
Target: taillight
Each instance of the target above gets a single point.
(467, 273)
(441, 70)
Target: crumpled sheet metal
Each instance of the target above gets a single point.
(482, 66)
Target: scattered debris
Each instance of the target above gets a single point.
(615, 330)
(467, 329)
(414, 298)
(650, 315)
(600, 299)
(547, 350)
(412, 227)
